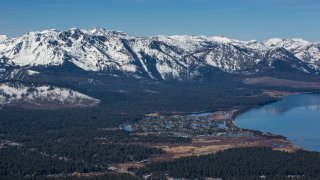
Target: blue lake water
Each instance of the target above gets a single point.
(128, 127)
(296, 117)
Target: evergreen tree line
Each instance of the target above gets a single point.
(241, 163)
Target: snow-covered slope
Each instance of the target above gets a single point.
(31, 96)
(160, 57)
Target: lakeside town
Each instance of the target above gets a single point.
(209, 132)
(212, 124)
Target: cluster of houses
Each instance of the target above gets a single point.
(178, 125)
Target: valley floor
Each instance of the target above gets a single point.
(202, 142)
(134, 125)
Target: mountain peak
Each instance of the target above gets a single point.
(300, 40)
(286, 42)
(273, 41)
(47, 31)
(3, 37)
(96, 30)
(220, 39)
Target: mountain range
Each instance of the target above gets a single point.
(175, 57)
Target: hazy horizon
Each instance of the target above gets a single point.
(213, 35)
(245, 20)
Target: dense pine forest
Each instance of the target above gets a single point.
(242, 163)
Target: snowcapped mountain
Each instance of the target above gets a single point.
(32, 96)
(159, 57)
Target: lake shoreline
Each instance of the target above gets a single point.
(277, 97)
(304, 143)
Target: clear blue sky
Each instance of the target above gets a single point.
(239, 19)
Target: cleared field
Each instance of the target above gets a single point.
(206, 145)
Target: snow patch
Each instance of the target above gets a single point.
(43, 96)
(31, 72)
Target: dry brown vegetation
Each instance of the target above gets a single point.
(205, 145)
